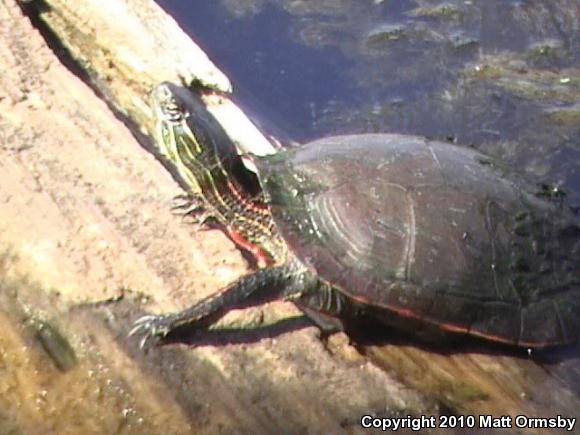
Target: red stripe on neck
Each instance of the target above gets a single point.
(262, 259)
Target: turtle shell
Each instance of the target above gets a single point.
(431, 231)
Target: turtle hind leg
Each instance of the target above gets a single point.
(322, 304)
(254, 289)
(327, 324)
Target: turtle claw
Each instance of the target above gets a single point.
(194, 209)
(204, 221)
(151, 328)
(187, 204)
(186, 209)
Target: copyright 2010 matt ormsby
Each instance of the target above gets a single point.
(467, 422)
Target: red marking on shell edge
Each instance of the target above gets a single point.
(262, 259)
(404, 312)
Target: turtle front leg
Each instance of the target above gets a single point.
(264, 285)
(195, 208)
(187, 203)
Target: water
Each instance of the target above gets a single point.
(502, 76)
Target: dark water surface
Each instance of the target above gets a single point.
(502, 76)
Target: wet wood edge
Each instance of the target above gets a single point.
(148, 47)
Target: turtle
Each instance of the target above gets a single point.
(419, 234)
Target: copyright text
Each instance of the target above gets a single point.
(467, 421)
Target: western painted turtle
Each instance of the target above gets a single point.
(412, 232)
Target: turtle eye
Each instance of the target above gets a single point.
(172, 112)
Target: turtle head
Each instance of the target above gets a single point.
(166, 105)
(184, 136)
(173, 123)
(196, 147)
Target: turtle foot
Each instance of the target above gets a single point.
(151, 329)
(195, 210)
